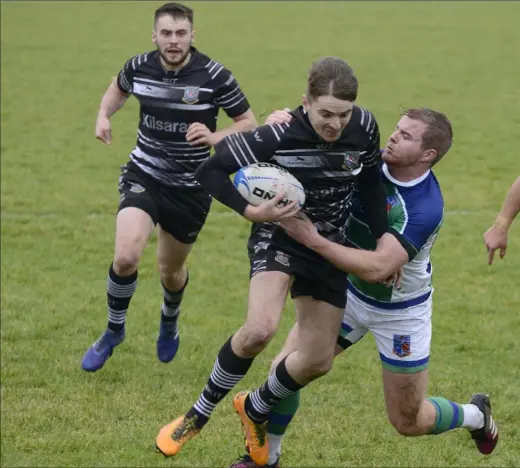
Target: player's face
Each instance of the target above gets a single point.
(404, 147)
(328, 115)
(173, 38)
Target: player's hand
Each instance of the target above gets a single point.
(394, 279)
(300, 228)
(495, 238)
(104, 130)
(271, 211)
(199, 134)
(279, 117)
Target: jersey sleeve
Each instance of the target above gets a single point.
(125, 77)
(370, 184)
(245, 148)
(232, 153)
(228, 94)
(372, 154)
(414, 230)
(373, 198)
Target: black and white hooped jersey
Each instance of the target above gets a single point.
(327, 171)
(169, 102)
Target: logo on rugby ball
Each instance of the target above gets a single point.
(242, 184)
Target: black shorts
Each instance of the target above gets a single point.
(313, 275)
(180, 212)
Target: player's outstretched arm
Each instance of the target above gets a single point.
(496, 236)
(112, 101)
(373, 266)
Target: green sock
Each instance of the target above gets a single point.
(449, 415)
(277, 423)
(282, 414)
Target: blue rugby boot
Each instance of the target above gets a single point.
(169, 339)
(96, 356)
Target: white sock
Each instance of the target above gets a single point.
(275, 447)
(473, 417)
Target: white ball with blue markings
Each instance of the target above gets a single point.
(261, 182)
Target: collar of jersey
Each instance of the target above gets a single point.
(410, 183)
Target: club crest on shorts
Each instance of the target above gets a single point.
(351, 160)
(191, 94)
(402, 345)
(282, 258)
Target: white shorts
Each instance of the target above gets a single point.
(403, 335)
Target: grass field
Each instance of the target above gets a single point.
(59, 199)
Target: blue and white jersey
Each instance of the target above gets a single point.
(415, 214)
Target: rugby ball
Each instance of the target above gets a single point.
(261, 182)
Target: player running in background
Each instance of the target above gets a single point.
(180, 92)
(496, 236)
(399, 317)
(329, 145)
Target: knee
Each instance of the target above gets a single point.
(170, 274)
(252, 340)
(317, 366)
(405, 423)
(126, 261)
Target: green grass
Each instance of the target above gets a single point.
(59, 199)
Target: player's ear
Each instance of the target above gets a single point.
(193, 36)
(305, 102)
(154, 37)
(429, 155)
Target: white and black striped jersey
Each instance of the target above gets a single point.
(169, 102)
(327, 171)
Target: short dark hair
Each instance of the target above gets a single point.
(332, 76)
(438, 134)
(176, 11)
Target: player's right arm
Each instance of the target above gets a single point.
(240, 150)
(496, 236)
(373, 266)
(115, 97)
(404, 239)
(111, 102)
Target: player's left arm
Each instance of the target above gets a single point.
(231, 98)
(228, 96)
(241, 123)
(370, 183)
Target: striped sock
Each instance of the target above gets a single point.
(229, 369)
(120, 290)
(279, 385)
(171, 307)
(278, 420)
(449, 415)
